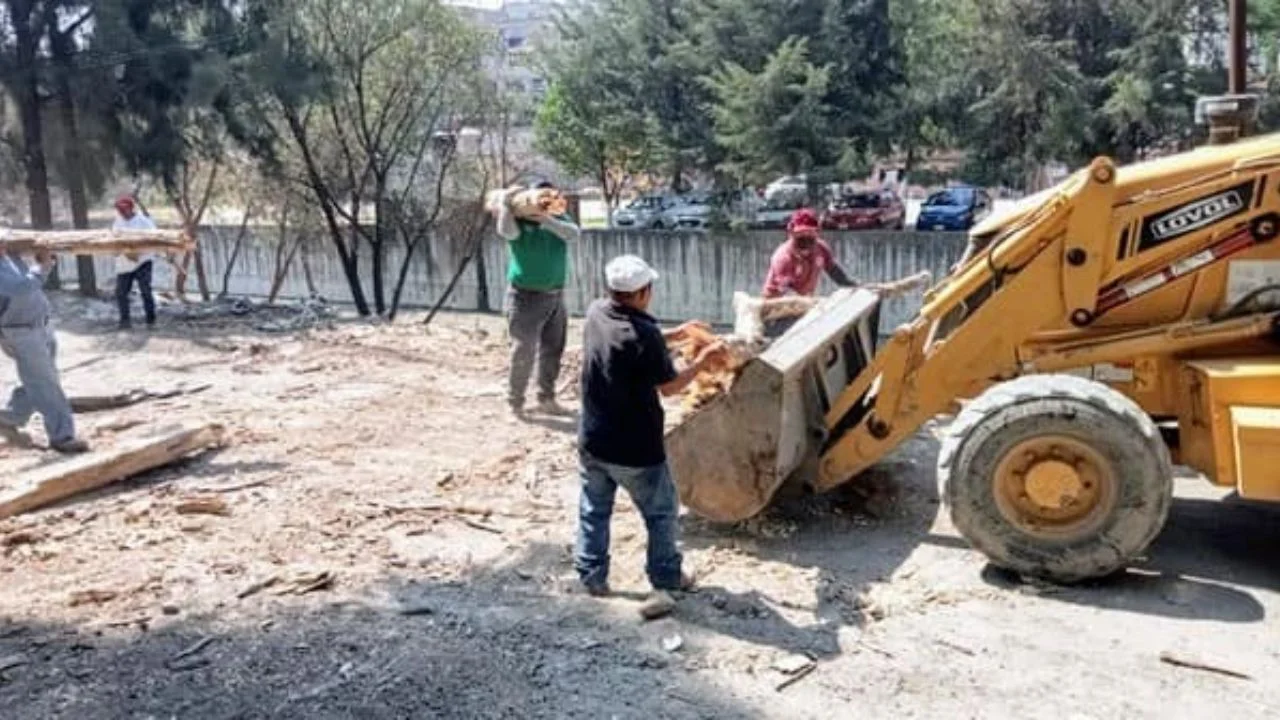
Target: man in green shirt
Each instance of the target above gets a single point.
(536, 317)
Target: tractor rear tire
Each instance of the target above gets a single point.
(1057, 477)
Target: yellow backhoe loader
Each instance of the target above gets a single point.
(1102, 331)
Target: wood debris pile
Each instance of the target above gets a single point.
(751, 314)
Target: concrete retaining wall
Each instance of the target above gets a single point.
(700, 272)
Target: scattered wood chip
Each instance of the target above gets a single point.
(481, 526)
(411, 609)
(444, 479)
(1170, 658)
(233, 488)
(210, 505)
(11, 662)
(139, 620)
(91, 597)
(258, 587)
(308, 582)
(22, 537)
(797, 677)
(194, 663)
(193, 649)
(58, 481)
(958, 648)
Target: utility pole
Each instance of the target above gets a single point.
(1232, 116)
(1238, 51)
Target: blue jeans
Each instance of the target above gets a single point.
(654, 494)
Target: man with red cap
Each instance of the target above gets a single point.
(132, 267)
(797, 264)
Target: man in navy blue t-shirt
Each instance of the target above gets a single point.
(626, 364)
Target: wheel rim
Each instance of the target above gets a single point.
(1055, 487)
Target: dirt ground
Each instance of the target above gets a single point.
(395, 545)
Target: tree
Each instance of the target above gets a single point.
(776, 120)
(378, 82)
(603, 139)
(25, 25)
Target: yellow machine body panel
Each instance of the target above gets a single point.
(1257, 438)
(1229, 423)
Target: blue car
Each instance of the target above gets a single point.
(954, 209)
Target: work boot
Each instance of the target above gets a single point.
(688, 583)
(598, 591)
(551, 407)
(74, 446)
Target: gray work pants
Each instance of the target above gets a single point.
(34, 350)
(537, 323)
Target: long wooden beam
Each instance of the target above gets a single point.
(58, 481)
(95, 242)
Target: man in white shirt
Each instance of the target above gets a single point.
(132, 267)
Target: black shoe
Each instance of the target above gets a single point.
(74, 446)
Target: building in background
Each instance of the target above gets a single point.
(520, 28)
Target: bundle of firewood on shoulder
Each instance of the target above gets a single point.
(751, 315)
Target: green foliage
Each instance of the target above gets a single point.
(1014, 84)
(776, 120)
(592, 120)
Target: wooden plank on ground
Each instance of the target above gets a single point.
(96, 242)
(52, 483)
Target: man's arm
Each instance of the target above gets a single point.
(566, 230)
(687, 375)
(508, 228)
(839, 276)
(15, 284)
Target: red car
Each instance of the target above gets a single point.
(877, 210)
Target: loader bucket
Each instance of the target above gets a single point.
(731, 457)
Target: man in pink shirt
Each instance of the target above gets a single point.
(797, 264)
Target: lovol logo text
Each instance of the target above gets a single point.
(1197, 215)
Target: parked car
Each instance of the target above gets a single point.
(692, 213)
(648, 212)
(956, 208)
(786, 186)
(874, 210)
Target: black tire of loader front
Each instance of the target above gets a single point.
(1061, 404)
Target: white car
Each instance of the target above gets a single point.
(648, 212)
(693, 213)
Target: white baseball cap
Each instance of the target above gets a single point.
(628, 273)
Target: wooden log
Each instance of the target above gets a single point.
(96, 242)
(52, 483)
